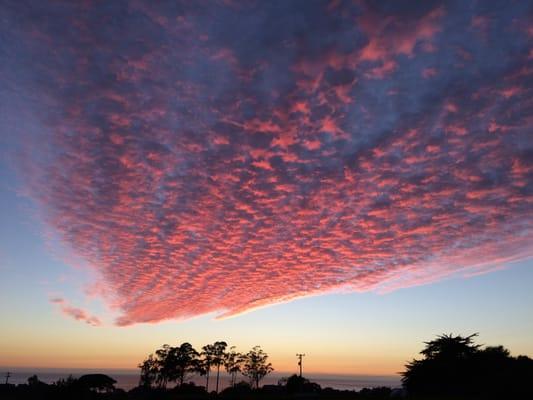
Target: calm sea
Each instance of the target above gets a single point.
(127, 379)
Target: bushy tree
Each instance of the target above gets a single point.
(443, 368)
(97, 382)
(149, 371)
(170, 364)
(454, 365)
(450, 347)
(164, 366)
(184, 361)
(296, 383)
(255, 366)
(233, 363)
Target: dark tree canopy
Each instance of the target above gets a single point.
(219, 354)
(99, 382)
(296, 383)
(455, 365)
(206, 362)
(256, 366)
(233, 363)
(169, 364)
(149, 371)
(450, 347)
(184, 361)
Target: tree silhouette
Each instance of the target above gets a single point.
(70, 381)
(33, 380)
(450, 347)
(256, 366)
(184, 361)
(98, 382)
(170, 364)
(233, 363)
(443, 369)
(164, 365)
(219, 353)
(149, 371)
(296, 383)
(454, 365)
(206, 362)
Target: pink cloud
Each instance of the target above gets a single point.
(77, 313)
(234, 172)
(390, 37)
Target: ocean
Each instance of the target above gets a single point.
(127, 379)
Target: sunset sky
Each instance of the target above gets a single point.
(345, 179)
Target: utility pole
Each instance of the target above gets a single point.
(300, 356)
(8, 374)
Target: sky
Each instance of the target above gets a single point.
(345, 179)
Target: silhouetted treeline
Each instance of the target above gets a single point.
(456, 366)
(86, 387)
(175, 364)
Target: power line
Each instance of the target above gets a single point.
(300, 356)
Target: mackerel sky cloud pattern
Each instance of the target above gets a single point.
(217, 156)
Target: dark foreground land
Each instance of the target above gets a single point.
(293, 388)
(241, 391)
(191, 392)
